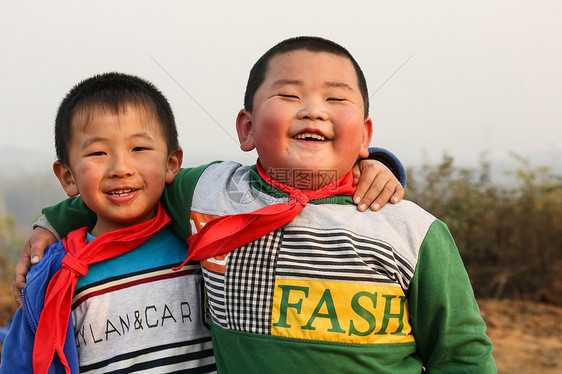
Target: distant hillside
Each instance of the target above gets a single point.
(24, 196)
(27, 184)
(501, 166)
(16, 161)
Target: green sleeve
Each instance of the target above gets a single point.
(69, 215)
(178, 196)
(72, 213)
(446, 322)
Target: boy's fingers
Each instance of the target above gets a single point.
(22, 267)
(390, 193)
(382, 198)
(356, 172)
(368, 187)
(398, 195)
(376, 194)
(377, 186)
(40, 241)
(18, 285)
(31, 253)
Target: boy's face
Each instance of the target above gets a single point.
(119, 164)
(307, 115)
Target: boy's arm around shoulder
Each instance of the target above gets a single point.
(178, 196)
(72, 213)
(446, 322)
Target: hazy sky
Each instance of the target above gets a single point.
(461, 77)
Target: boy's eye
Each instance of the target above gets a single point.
(138, 149)
(334, 99)
(100, 153)
(290, 96)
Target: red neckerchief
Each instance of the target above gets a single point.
(53, 322)
(224, 234)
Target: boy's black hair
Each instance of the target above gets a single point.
(309, 43)
(112, 92)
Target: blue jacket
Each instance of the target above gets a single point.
(17, 352)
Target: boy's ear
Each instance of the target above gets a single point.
(244, 129)
(66, 179)
(367, 135)
(174, 165)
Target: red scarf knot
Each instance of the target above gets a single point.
(79, 268)
(299, 199)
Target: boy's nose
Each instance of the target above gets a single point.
(120, 167)
(312, 110)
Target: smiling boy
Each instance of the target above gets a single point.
(314, 115)
(105, 298)
(116, 163)
(310, 284)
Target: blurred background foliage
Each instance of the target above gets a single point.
(509, 235)
(10, 246)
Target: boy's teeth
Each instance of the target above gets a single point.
(309, 136)
(121, 192)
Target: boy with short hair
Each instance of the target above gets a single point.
(311, 285)
(106, 298)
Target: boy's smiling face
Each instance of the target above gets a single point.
(119, 164)
(308, 114)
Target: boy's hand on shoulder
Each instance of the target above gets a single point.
(31, 253)
(376, 185)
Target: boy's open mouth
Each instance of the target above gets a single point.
(311, 136)
(124, 192)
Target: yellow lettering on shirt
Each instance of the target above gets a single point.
(340, 311)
